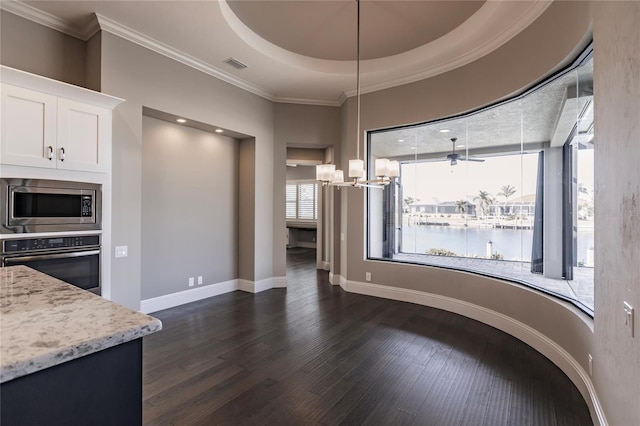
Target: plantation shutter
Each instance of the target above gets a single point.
(302, 201)
(307, 201)
(292, 193)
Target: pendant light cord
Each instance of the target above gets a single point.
(358, 80)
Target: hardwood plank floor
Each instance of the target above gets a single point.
(313, 354)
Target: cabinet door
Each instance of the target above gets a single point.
(28, 127)
(84, 132)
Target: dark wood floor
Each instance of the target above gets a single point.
(313, 354)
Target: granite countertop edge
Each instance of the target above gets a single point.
(71, 352)
(45, 322)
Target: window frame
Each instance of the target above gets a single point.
(581, 59)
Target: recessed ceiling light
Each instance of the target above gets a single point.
(460, 146)
(412, 147)
(445, 131)
(219, 130)
(181, 120)
(400, 140)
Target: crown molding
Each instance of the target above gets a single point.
(100, 22)
(115, 28)
(306, 101)
(46, 19)
(468, 56)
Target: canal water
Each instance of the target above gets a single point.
(513, 244)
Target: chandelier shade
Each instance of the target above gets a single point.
(385, 169)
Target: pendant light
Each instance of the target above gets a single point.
(385, 169)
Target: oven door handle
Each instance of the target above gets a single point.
(11, 260)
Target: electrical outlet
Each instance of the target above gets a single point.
(590, 365)
(200, 280)
(628, 318)
(367, 276)
(121, 251)
(190, 281)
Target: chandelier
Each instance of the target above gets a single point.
(385, 170)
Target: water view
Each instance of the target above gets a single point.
(513, 244)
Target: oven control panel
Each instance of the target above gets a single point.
(35, 244)
(87, 201)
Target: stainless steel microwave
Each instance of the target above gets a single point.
(41, 205)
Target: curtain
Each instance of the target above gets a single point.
(537, 266)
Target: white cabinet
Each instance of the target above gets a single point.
(46, 123)
(84, 136)
(42, 130)
(29, 128)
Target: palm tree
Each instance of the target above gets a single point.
(507, 191)
(484, 200)
(461, 206)
(406, 203)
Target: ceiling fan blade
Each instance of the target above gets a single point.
(477, 160)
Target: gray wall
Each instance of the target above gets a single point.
(527, 58)
(553, 39)
(617, 195)
(247, 206)
(301, 173)
(94, 62)
(313, 154)
(304, 126)
(189, 206)
(40, 50)
(145, 78)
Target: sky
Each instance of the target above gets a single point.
(439, 181)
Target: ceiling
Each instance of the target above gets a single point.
(300, 51)
(537, 118)
(303, 51)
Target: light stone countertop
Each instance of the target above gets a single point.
(45, 322)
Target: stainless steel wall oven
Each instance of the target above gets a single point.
(73, 259)
(40, 205)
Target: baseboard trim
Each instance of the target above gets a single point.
(261, 285)
(304, 244)
(246, 285)
(172, 300)
(336, 279)
(529, 335)
(279, 282)
(325, 266)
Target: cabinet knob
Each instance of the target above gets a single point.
(61, 154)
(50, 153)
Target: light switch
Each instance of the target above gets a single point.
(628, 318)
(121, 251)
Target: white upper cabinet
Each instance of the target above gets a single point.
(84, 136)
(46, 123)
(29, 127)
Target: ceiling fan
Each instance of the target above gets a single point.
(454, 157)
